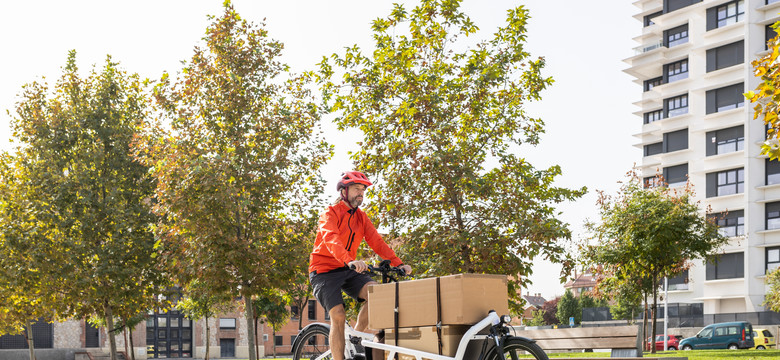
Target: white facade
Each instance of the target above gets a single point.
(712, 120)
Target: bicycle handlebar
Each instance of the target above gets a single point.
(384, 269)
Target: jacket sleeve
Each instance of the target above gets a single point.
(374, 240)
(329, 227)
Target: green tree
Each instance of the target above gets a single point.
(298, 291)
(443, 124)
(640, 226)
(538, 319)
(26, 293)
(773, 295)
(87, 192)
(589, 301)
(766, 96)
(237, 155)
(568, 306)
(199, 303)
(627, 297)
(271, 307)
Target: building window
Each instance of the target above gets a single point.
(265, 337)
(730, 223)
(292, 339)
(771, 1)
(727, 55)
(725, 141)
(726, 266)
(727, 182)
(654, 116)
(672, 5)
(772, 168)
(725, 98)
(227, 323)
(312, 305)
(294, 311)
(653, 149)
(725, 14)
(676, 106)
(676, 175)
(676, 36)
(675, 140)
(652, 182)
(278, 340)
(677, 70)
(650, 84)
(772, 215)
(769, 34)
(649, 18)
(772, 258)
(679, 282)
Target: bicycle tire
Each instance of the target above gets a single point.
(312, 344)
(513, 348)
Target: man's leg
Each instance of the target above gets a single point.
(362, 320)
(336, 337)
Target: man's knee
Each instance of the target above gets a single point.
(337, 314)
(364, 290)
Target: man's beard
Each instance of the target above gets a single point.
(355, 201)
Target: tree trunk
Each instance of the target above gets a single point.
(274, 343)
(132, 345)
(110, 326)
(644, 326)
(30, 342)
(655, 307)
(250, 330)
(126, 342)
(300, 318)
(208, 339)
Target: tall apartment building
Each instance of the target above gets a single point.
(693, 64)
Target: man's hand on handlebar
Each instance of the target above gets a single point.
(358, 265)
(406, 268)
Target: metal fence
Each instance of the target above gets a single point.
(688, 315)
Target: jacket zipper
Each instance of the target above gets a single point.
(351, 233)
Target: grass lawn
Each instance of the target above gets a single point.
(691, 355)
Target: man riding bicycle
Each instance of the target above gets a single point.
(341, 229)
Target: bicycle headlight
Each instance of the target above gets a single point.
(506, 319)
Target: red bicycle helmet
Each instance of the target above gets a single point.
(352, 177)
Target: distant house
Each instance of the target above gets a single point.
(532, 303)
(583, 283)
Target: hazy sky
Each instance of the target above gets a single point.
(588, 110)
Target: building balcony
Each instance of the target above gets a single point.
(645, 48)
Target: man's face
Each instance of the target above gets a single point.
(355, 194)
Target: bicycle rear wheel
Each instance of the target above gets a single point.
(515, 348)
(313, 345)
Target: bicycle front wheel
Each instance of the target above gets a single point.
(515, 348)
(313, 345)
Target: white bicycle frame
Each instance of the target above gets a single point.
(367, 342)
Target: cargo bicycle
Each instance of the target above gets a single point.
(490, 337)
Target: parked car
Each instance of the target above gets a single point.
(673, 342)
(729, 335)
(763, 339)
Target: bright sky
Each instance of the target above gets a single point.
(588, 111)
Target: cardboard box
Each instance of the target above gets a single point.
(465, 300)
(424, 338)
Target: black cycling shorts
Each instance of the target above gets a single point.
(327, 286)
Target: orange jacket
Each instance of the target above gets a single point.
(341, 229)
